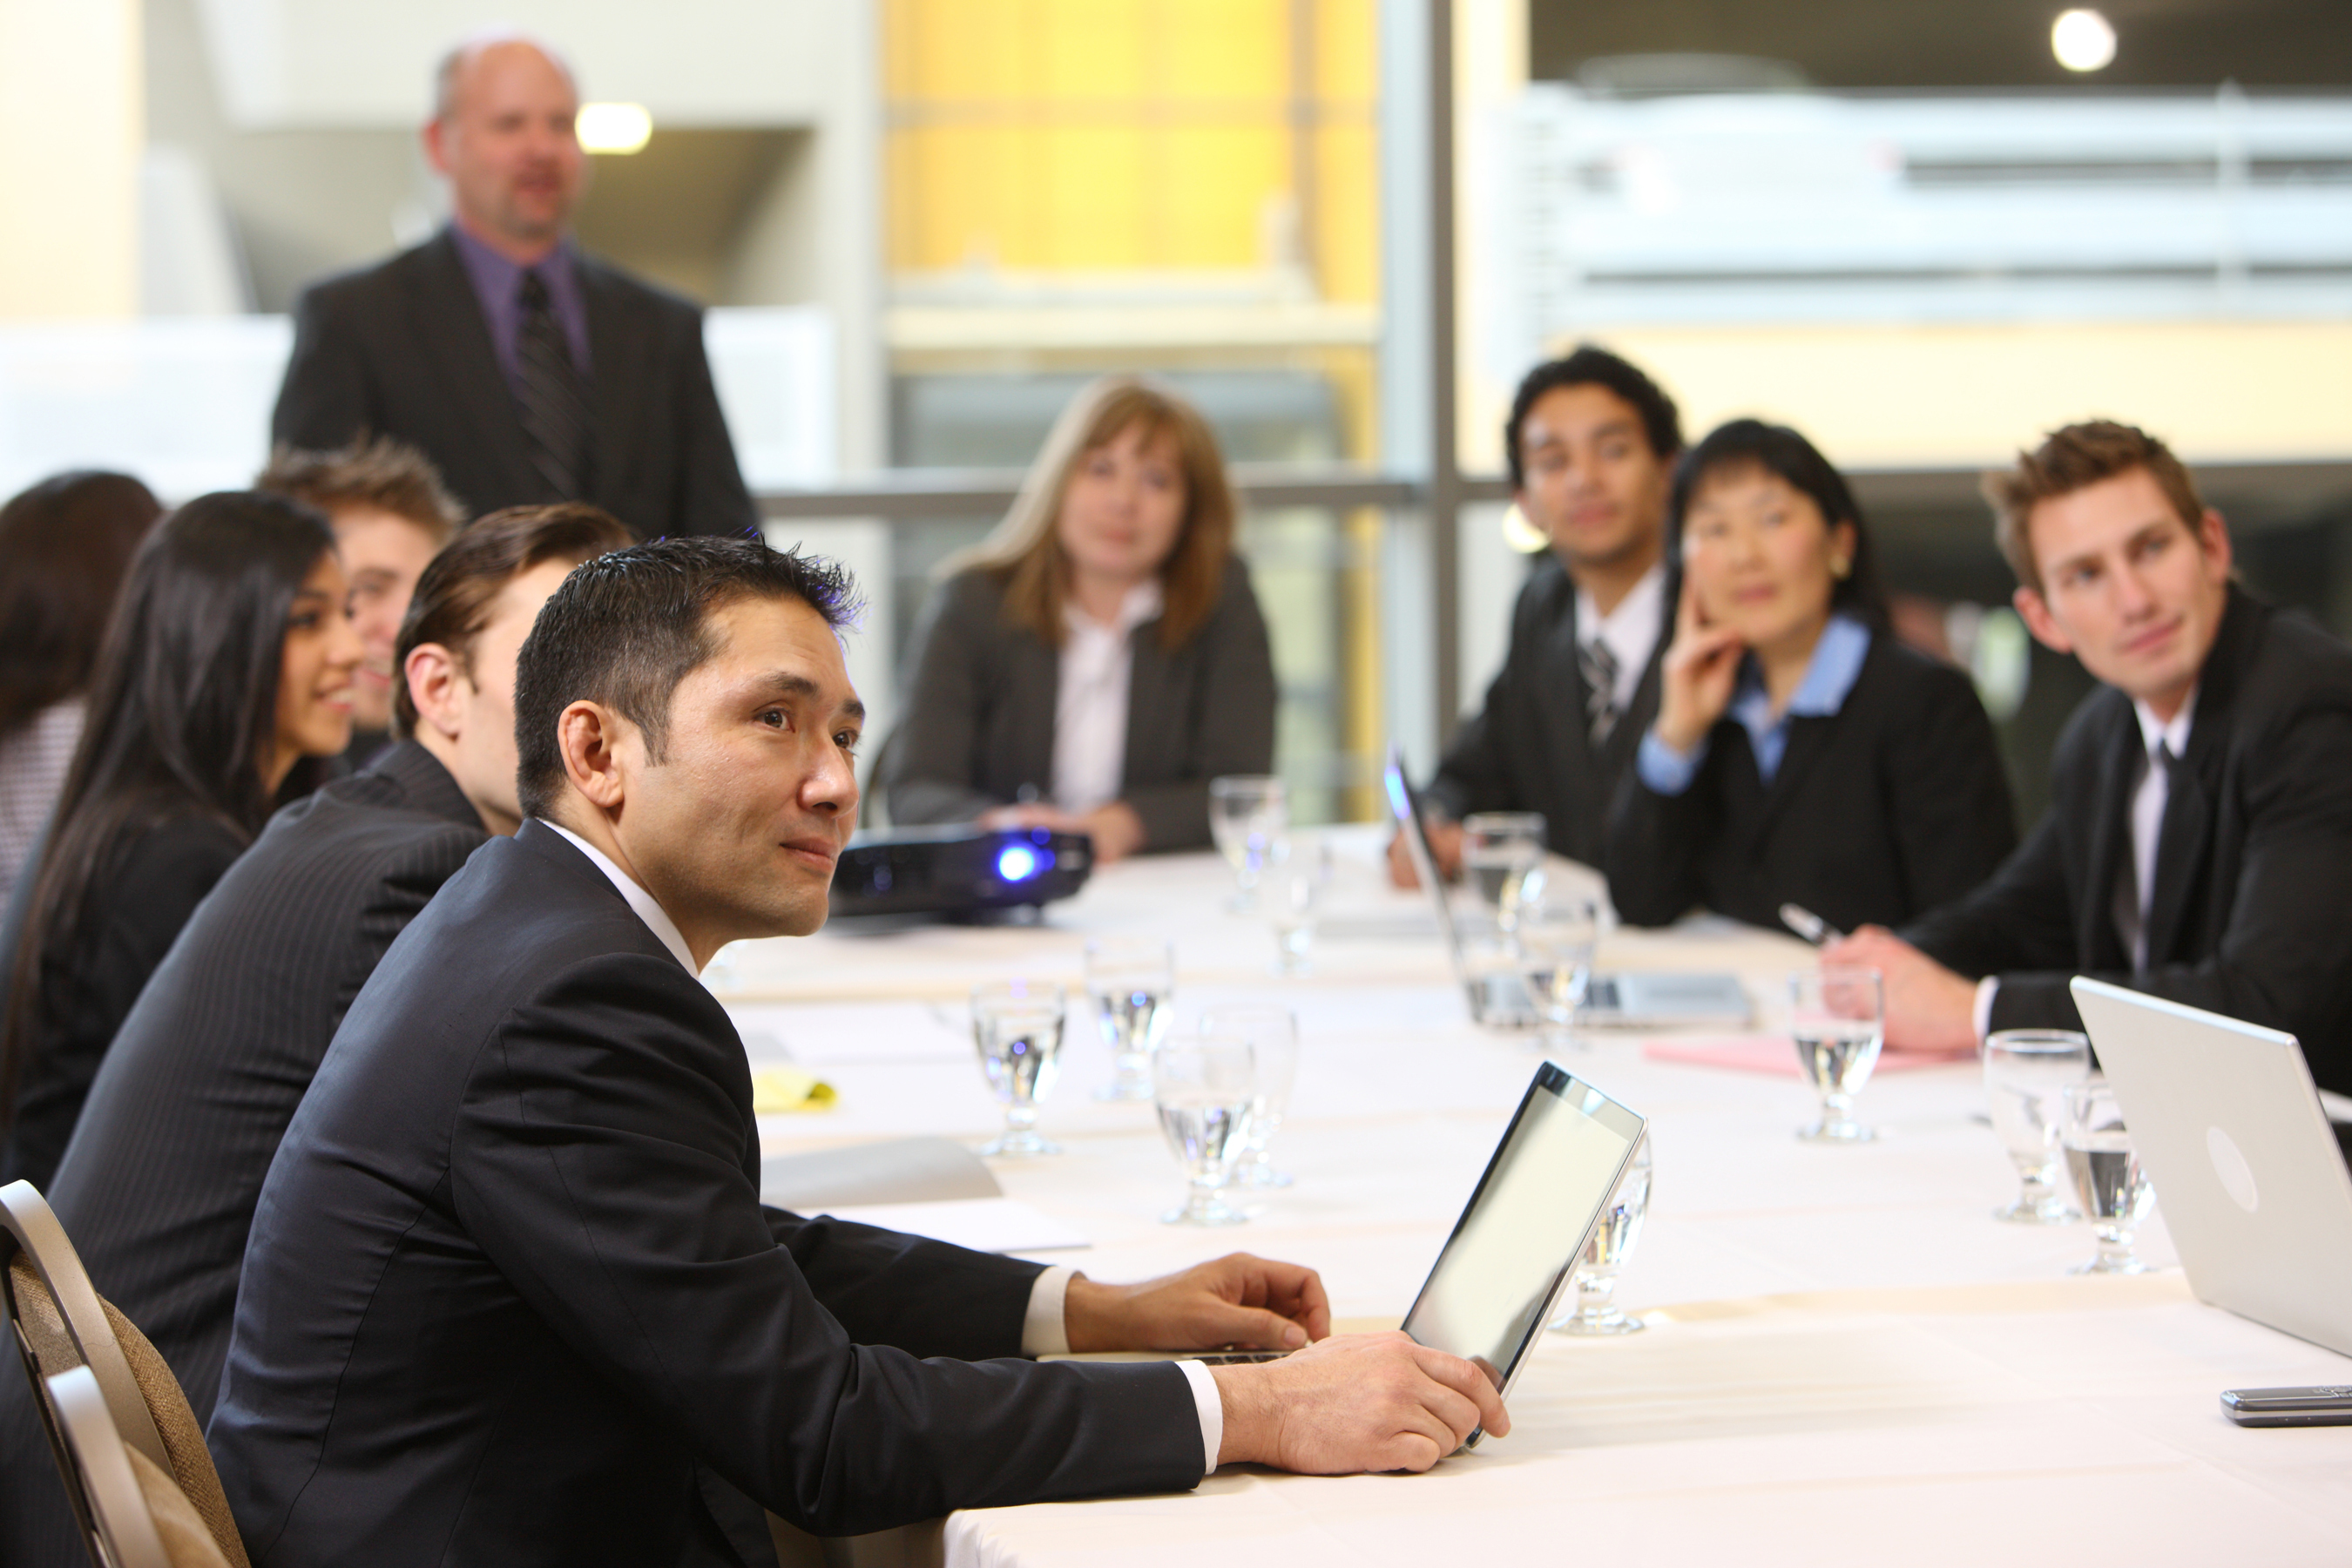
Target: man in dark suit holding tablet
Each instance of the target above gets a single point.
(510, 1295)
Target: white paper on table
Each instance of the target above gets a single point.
(983, 1225)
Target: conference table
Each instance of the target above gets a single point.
(1846, 1359)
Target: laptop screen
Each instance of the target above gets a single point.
(1531, 1214)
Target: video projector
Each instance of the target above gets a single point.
(959, 873)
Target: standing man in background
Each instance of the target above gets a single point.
(527, 372)
(1591, 442)
(390, 515)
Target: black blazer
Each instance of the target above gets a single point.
(139, 904)
(509, 1279)
(157, 1186)
(1894, 805)
(401, 350)
(2252, 858)
(978, 728)
(1530, 748)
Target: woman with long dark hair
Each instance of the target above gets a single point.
(65, 545)
(1801, 754)
(223, 681)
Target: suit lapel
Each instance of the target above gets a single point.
(2110, 845)
(2184, 842)
(447, 325)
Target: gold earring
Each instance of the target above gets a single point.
(1841, 569)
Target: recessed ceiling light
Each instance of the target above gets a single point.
(620, 128)
(2082, 40)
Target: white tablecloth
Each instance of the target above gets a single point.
(1848, 1361)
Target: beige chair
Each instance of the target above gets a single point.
(60, 1324)
(138, 1515)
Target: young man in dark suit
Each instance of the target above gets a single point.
(157, 1186)
(527, 371)
(1591, 442)
(2199, 834)
(510, 1293)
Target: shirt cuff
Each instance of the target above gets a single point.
(1983, 1013)
(1664, 770)
(1211, 1408)
(1043, 1332)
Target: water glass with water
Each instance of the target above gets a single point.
(1604, 1258)
(1837, 1017)
(2027, 1072)
(1206, 1087)
(1132, 984)
(1248, 815)
(1017, 1028)
(1291, 886)
(1556, 936)
(2107, 1177)
(1503, 851)
(1273, 1034)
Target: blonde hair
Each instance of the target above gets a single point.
(1025, 549)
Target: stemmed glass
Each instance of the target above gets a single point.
(1837, 1017)
(1556, 938)
(1291, 885)
(1503, 851)
(1603, 1258)
(1248, 815)
(1204, 1087)
(1018, 1028)
(1273, 1034)
(2026, 1071)
(1131, 982)
(2107, 1177)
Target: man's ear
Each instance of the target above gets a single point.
(433, 676)
(2035, 613)
(598, 747)
(2213, 538)
(436, 152)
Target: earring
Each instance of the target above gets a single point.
(1841, 569)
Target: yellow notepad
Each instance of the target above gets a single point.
(776, 1091)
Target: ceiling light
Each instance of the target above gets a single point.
(622, 127)
(2082, 40)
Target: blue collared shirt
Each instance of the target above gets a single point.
(1830, 676)
(498, 286)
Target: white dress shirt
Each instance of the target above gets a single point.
(1043, 1329)
(1090, 702)
(1630, 631)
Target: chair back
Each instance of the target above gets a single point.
(139, 1516)
(60, 1322)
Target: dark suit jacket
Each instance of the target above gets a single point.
(138, 907)
(157, 1186)
(2252, 858)
(980, 712)
(509, 1279)
(1894, 805)
(401, 350)
(1530, 748)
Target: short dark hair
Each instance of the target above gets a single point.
(626, 628)
(1783, 453)
(1662, 423)
(451, 601)
(2074, 458)
(377, 472)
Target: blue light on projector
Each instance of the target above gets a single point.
(1018, 862)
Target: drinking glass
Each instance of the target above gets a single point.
(1837, 1016)
(1204, 1087)
(1556, 941)
(1131, 982)
(1503, 850)
(2107, 1177)
(2026, 1070)
(1018, 1028)
(1248, 813)
(1291, 885)
(1603, 1258)
(1273, 1034)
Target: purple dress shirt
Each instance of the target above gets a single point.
(498, 286)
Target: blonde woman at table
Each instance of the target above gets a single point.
(1100, 658)
(1801, 753)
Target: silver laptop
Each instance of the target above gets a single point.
(1636, 999)
(2251, 1180)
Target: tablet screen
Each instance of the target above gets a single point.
(1532, 1211)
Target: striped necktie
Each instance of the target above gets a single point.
(554, 409)
(1599, 667)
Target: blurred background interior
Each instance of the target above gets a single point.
(1923, 232)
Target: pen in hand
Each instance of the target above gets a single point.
(1808, 925)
